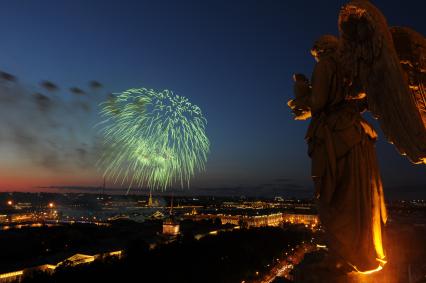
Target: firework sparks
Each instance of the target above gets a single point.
(152, 139)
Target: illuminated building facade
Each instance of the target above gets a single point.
(274, 219)
(16, 276)
(307, 219)
(171, 228)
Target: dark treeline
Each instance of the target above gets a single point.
(226, 257)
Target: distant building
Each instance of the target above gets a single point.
(274, 219)
(10, 277)
(194, 211)
(307, 219)
(16, 276)
(150, 203)
(171, 227)
(253, 221)
(21, 217)
(4, 218)
(157, 215)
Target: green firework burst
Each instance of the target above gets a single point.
(152, 139)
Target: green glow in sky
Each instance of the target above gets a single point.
(152, 139)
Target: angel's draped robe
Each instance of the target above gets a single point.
(345, 171)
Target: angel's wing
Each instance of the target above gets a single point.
(369, 59)
(411, 48)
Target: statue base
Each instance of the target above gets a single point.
(320, 267)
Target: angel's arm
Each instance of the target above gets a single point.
(358, 97)
(321, 80)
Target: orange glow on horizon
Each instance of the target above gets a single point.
(28, 178)
(45, 183)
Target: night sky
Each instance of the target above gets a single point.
(234, 59)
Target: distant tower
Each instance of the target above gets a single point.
(171, 206)
(103, 188)
(150, 203)
(170, 226)
(102, 191)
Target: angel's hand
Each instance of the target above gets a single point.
(300, 110)
(357, 96)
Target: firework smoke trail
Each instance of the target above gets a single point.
(152, 139)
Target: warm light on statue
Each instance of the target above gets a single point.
(348, 80)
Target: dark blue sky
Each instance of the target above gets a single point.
(232, 58)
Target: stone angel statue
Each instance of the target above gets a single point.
(369, 67)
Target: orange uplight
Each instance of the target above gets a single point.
(321, 246)
(51, 205)
(9, 202)
(382, 262)
(370, 271)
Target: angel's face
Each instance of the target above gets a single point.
(325, 45)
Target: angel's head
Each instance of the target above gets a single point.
(323, 46)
